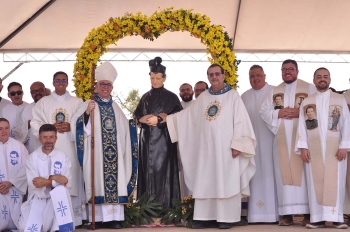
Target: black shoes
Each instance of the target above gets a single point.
(224, 225)
(211, 224)
(112, 225)
(204, 224)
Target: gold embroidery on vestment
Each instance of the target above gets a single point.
(213, 110)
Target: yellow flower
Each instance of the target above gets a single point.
(97, 41)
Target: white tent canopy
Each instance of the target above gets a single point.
(298, 26)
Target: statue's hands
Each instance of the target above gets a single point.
(143, 119)
(163, 116)
(152, 121)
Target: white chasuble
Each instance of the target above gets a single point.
(52, 109)
(206, 132)
(262, 203)
(292, 197)
(12, 168)
(323, 129)
(38, 212)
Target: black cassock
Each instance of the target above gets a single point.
(158, 171)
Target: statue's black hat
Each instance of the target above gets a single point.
(155, 65)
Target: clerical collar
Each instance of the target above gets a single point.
(226, 88)
(325, 93)
(100, 99)
(63, 97)
(258, 90)
(157, 89)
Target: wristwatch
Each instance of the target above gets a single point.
(159, 119)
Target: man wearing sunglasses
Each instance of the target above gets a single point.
(58, 109)
(22, 129)
(13, 111)
(3, 102)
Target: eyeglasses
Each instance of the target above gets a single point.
(60, 81)
(34, 91)
(199, 90)
(288, 69)
(215, 73)
(108, 85)
(19, 92)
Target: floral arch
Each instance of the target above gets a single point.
(219, 44)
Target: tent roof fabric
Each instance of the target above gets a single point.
(313, 26)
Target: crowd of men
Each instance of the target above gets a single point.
(284, 147)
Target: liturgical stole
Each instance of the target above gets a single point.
(291, 169)
(325, 172)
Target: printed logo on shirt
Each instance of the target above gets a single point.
(14, 157)
(57, 167)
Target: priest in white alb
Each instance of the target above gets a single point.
(58, 109)
(186, 94)
(115, 160)
(262, 203)
(282, 120)
(216, 142)
(13, 110)
(324, 149)
(22, 130)
(346, 94)
(47, 168)
(13, 182)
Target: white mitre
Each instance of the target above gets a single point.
(106, 71)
